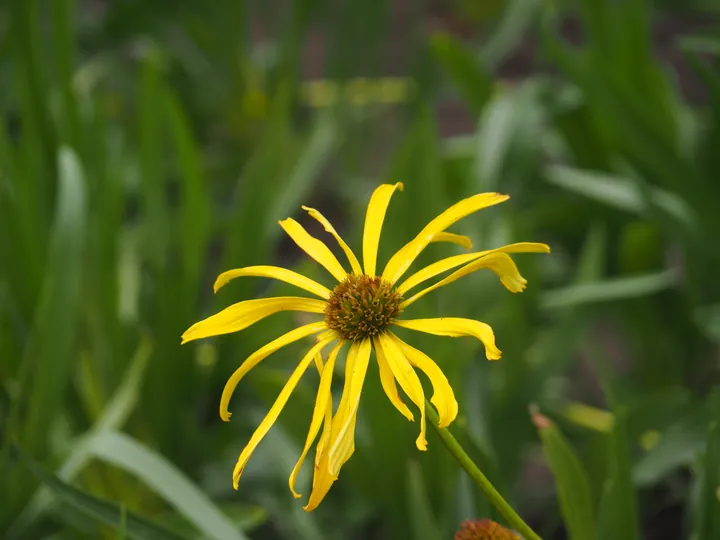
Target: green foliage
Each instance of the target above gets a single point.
(147, 146)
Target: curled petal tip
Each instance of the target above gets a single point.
(400, 186)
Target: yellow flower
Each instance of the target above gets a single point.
(360, 312)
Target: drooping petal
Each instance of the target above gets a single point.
(342, 439)
(335, 449)
(373, 224)
(443, 396)
(400, 262)
(258, 356)
(275, 410)
(500, 263)
(352, 259)
(243, 314)
(322, 481)
(408, 379)
(324, 396)
(313, 247)
(275, 272)
(388, 384)
(452, 238)
(456, 327)
(449, 263)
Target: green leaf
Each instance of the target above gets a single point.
(166, 480)
(618, 518)
(195, 204)
(152, 186)
(50, 352)
(608, 290)
(323, 141)
(678, 444)
(571, 480)
(135, 526)
(465, 70)
(707, 518)
(244, 517)
(618, 192)
(422, 521)
(114, 416)
(518, 16)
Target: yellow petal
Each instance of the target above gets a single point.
(388, 383)
(352, 259)
(313, 247)
(275, 272)
(327, 334)
(500, 263)
(323, 397)
(408, 379)
(342, 436)
(449, 263)
(275, 410)
(458, 239)
(456, 327)
(443, 396)
(258, 356)
(319, 361)
(400, 262)
(243, 314)
(337, 444)
(373, 224)
(322, 480)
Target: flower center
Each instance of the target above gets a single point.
(361, 307)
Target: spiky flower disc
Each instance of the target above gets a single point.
(362, 307)
(484, 529)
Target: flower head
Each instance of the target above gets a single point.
(484, 529)
(359, 313)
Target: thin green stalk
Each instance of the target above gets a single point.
(493, 495)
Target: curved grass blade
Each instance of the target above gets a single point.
(134, 526)
(166, 480)
(573, 487)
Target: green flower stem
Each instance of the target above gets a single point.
(493, 495)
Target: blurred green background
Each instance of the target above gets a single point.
(148, 146)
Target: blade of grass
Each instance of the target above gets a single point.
(678, 444)
(166, 480)
(113, 417)
(63, 32)
(49, 355)
(617, 192)
(518, 16)
(618, 517)
(135, 526)
(571, 480)
(707, 515)
(195, 200)
(422, 521)
(464, 69)
(323, 141)
(608, 290)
